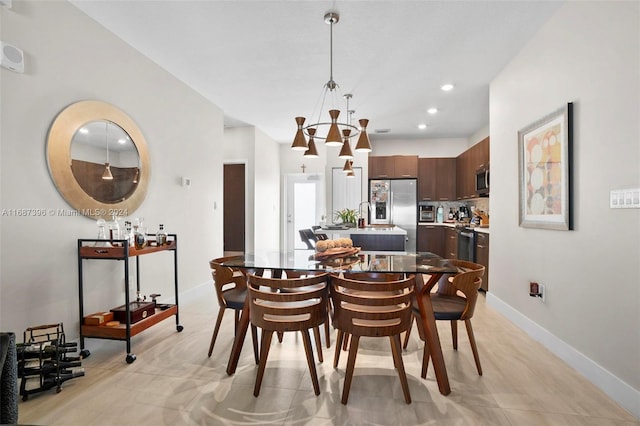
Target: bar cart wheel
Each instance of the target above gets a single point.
(130, 358)
(85, 353)
(179, 328)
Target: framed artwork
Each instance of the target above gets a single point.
(545, 151)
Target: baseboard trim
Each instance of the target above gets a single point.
(196, 292)
(613, 386)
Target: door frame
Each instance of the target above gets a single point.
(290, 178)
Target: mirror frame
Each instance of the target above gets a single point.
(61, 134)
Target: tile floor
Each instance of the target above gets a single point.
(173, 382)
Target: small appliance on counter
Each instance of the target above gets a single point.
(426, 212)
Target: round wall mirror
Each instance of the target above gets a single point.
(98, 159)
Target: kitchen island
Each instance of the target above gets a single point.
(371, 237)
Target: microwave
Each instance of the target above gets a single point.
(482, 182)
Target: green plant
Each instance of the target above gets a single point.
(347, 215)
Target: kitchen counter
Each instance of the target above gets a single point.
(376, 237)
(368, 230)
(453, 225)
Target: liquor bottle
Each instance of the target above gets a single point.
(128, 234)
(139, 236)
(161, 236)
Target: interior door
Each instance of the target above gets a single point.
(234, 208)
(304, 201)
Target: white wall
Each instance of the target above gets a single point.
(70, 58)
(239, 147)
(451, 147)
(588, 54)
(261, 155)
(267, 193)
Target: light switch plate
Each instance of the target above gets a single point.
(624, 199)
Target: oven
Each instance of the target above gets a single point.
(467, 244)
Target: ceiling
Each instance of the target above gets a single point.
(266, 62)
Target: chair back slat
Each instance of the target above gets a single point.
(288, 304)
(372, 308)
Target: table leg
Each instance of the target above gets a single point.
(243, 325)
(431, 332)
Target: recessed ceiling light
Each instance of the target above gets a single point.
(122, 141)
(432, 110)
(422, 126)
(84, 130)
(382, 130)
(446, 87)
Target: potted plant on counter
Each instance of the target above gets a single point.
(349, 217)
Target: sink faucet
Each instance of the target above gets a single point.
(360, 207)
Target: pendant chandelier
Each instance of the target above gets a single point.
(338, 134)
(106, 175)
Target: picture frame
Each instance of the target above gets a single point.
(545, 150)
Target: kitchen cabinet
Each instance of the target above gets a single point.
(446, 179)
(395, 166)
(431, 239)
(437, 179)
(405, 166)
(427, 179)
(466, 165)
(450, 243)
(381, 167)
(482, 256)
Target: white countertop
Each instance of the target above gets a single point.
(394, 230)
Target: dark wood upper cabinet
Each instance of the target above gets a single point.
(446, 179)
(427, 176)
(467, 163)
(395, 166)
(406, 166)
(381, 167)
(437, 179)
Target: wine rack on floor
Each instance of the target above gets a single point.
(45, 360)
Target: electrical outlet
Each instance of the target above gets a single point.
(537, 290)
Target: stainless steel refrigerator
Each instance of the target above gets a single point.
(394, 201)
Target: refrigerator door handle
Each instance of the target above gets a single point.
(390, 208)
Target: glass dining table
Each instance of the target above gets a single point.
(428, 268)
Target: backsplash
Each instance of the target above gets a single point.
(476, 203)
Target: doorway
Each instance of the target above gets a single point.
(304, 201)
(234, 208)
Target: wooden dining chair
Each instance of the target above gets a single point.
(231, 291)
(455, 300)
(316, 330)
(371, 309)
(369, 276)
(301, 307)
